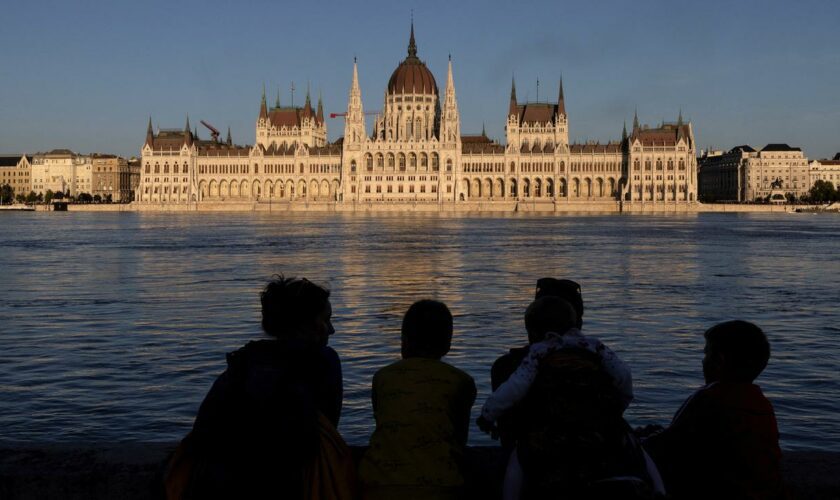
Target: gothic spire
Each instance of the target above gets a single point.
(277, 101)
(680, 119)
(412, 45)
(635, 120)
(320, 115)
(512, 110)
(188, 135)
(263, 105)
(624, 132)
(483, 130)
(561, 101)
(229, 138)
(150, 135)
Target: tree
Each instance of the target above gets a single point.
(49, 195)
(84, 198)
(20, 198)
(6, 194)
(822, 192)
(31, 197)
(108, 198)
(97, 198)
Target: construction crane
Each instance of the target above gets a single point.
(215, 133)
(336, 115)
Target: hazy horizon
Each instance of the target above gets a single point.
(88, 77)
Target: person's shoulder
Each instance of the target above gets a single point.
(507, 363)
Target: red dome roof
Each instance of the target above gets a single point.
(412, 76)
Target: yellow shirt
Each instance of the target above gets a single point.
(422, 410)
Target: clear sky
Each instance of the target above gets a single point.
(86, 75)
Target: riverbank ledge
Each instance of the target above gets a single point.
(133, 471)
(542, 207)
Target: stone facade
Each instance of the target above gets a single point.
(825, 170)
(416, 154)
(110, 177)
(16, 171)
(743, 174)
(62, 170)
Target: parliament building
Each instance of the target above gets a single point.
(416, 153)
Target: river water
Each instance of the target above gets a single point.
(114, 325)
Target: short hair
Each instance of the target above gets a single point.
(288, 303)
(744, 346)
(427, 329)
(567, 290)
(549, 314)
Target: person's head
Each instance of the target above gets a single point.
(296, 308)
(736, 351)
(567, 290)
(549, 314)
(426, 330)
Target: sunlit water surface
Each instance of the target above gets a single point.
(113, 326)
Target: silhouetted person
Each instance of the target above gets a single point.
(724, 442)
(257, 432)
(505, 365)
(422, 410)
(571, 430)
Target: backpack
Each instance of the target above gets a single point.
(575, 439)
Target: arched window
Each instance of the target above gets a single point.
(449, 164)
(148, 168)
(435, 162)
(412, 161)
(402, 162)
(369, 162)
(512, 167)
(418, 129)
(380, 161)
(157, 168)
(409, 130)
(390, 161)
(424, 161)
(352, 166)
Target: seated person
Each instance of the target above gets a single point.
(422, 410)
(505, 365)
(723, 442)
(258, 430)
(572, 433)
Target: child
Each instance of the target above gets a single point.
(723, 442)
(584, 390)
(422, 411)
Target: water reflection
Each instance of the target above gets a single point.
(115, 325)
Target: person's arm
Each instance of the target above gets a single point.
(669, 446)
(467, 398)
(214, 405)
(333, 391)
(515, 388)
(618, 371)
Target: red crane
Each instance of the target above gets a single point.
(215, 133)
(335, 115)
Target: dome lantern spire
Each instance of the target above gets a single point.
(412, 45)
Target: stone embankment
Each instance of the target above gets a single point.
(541, 207)
(133, 471)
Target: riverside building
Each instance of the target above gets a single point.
(743, 174)
(62, 170)
(416, 153)
(16, 170)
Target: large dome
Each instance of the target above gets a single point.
(412, 76)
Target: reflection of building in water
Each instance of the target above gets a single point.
(416, 153)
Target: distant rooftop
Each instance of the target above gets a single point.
(779, 147)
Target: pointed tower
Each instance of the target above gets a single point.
(450, 122)
(188, 136)
(229, 140)
(354, 121)
(319, 117)
(561, 101)
(307, 106)
(635, 120)
(512, 109)
(624, 133)
(150, 135)
(263, 107)
(277, 100)
(680, 119)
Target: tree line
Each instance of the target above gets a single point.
(8, 196)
